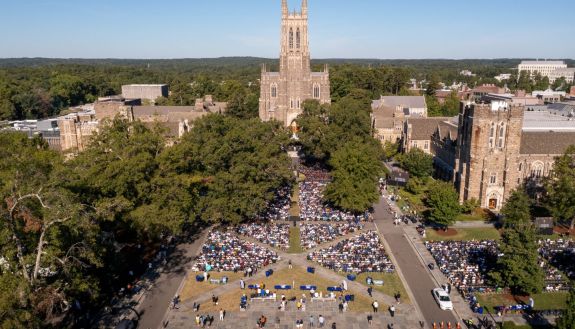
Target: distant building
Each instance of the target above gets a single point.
(145, 92)
(467, 73)
(551, 69)
(76, 130)
(505, 100)
(282, 93)
(549, 95)
(503, 76)
(390, 112)
(480, 91)
(109, 107)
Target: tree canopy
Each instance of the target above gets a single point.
(443, 201)
(560, 187)
(417, 163)
(517, 209)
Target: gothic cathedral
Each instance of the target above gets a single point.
(283, 92)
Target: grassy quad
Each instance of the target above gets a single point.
(297, 276)
(193, 289)
(391, 284)
(543, 301)
(294, 240)
(465, 234)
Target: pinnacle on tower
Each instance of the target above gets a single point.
(304, 7)
(284, 8)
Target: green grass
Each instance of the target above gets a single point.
(294, 240)
(294, 207)
(391, 284)
(512, 325)
(469, 218)
(415, 201)
(465, 234)
(543, 301)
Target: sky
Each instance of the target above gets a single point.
(386, 29)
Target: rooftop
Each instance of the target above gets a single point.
(542, 62)
(545, 121)
(404, 101)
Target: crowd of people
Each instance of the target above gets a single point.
(311, 203)
(466, 263)
(363, 253)
(223, 251)
(313, 234)
(276, 235)
(278, 208)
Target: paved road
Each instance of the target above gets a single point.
(414, 272)
(153, 309)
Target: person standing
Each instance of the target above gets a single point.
(369, 319)
(333, 326)
(375, 306)
(321, 321)
(289, 264)
(369, 291)
(392, 311)
(311, 321)
(222, 314)
(242, 284)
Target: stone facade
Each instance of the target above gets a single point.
(282, 93)
(487, 151)
(147, 92)
(76, 131)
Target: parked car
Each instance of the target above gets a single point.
(442, 298)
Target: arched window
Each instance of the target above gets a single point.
(537, 169)
(493, 178)
(297, 39)
(274, 91)
(290, 38)
(501, 140)
(316, 91)
(492, 135)
(297, 104)
(291, 103)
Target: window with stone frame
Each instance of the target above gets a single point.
(297, 39)
(316, 91)
(492, 135)
(274, 90)
(290, 38)
(501, 137)
(493, 178)
(537, 169)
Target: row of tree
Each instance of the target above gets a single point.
(338, 137)
(71, 231)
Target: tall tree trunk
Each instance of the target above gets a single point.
(572, 226)
(39, 255)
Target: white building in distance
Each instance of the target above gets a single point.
(551, 69)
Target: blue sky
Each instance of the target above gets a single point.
(338, 28)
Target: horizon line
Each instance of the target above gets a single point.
(268, 58)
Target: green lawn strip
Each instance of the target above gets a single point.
(294, 240)
(391, 284)
(543, 301)
(294, 207)
(465, 234)
(470, 218)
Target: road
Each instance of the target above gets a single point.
(415, 273)
(153, 308)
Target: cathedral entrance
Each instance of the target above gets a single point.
(492, 204)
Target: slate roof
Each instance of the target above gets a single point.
(423, 128)
(546, 142)
(405, 101)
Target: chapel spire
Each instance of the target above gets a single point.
(304, 7)
(284, 8)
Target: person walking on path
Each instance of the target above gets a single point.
(369, 291)
(311, 321)
(375, 306)
(392, 311)
(321, 321)
(222, 314)
(369, 319)
(242, 284)
(290, 266)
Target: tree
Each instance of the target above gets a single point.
(390, 150)
(560, 187)
(433, 106)
(567, 319)
(443, 201)
(470, 205)
(417, 163)
(356, 172)
(451, 106)
(49, 242)
(518, 266)
(516, 210)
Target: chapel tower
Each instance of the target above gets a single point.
(282, 93)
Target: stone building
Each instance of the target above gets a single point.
(390, 112)
(282, 93)
(488, 151)
(76, 130)
(145, 92)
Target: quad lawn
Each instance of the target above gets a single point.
(543, 301)
(193, 289)
(294, 240)
(391, 284)
(463, 234)
(297, 276)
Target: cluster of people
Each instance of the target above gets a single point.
(313, 235)
(557, 261)
(464, 263)
(311, 202)
(223, 251)
(278, 208)
(276, 235)
(363, 253)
